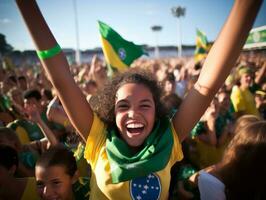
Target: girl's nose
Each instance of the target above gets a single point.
(47, 191)
(132, 113)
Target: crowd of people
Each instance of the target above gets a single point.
(166, 128)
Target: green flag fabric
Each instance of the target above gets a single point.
(118, 52)
(201, 46)
(156, 152)
(256, 38)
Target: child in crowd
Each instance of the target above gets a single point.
(130, 143)
(57, 176)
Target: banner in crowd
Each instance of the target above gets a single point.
(256, 38)
(202, 48)
(118, 52)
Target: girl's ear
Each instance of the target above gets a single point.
(75, 177)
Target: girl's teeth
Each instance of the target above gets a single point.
(134, 126)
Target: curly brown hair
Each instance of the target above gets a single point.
(103, 103)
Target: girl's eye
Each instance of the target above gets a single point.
(145, 106)
(39, 185)
(56, 183)
(122, 106)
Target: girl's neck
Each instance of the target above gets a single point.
(135, 150)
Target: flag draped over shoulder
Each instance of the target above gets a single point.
(118, 52)
(201, 46)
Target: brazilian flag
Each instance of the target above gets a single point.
(201, 46)
(118, 52)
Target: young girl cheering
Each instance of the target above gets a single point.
(132, 149)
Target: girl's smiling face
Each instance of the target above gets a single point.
(134, 113)
(246, 80)
(53, 183)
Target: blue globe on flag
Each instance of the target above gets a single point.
(148, 187)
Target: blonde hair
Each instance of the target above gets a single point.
(243, 121)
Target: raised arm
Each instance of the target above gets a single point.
(57, 68)
(35, 117)
(218, 64)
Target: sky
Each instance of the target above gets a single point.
(132, 19)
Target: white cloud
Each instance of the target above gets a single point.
(5, 21)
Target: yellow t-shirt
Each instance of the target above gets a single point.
(244, 101)
(204, 155)
(154, 186)
(22, 135)
(30, 191)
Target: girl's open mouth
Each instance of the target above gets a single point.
(135, 128)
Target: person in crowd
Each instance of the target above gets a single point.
(56, 113)
(32, 100)
(130, 143)
(23, 83)
(225, 121)
(242, 99)
(57, 176)
(169, 84)
(10, 186)
(242, 171)
(28, 151)
(239, 125)
(15, 96)
(47, 96)
(7, 113)
(170, 99)
(258, 76)
(10, 82)
(209, 137)
(98, 72)
(171, 102)
(243, 121)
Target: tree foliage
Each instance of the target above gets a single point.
(4, 46)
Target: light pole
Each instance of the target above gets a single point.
(179, 12)
(77, 57)
(156, 29)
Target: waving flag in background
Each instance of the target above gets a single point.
(201, 46)
(118, 52)
(256, 38)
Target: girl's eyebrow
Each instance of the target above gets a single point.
(122, 101)
(146, 101)
(56, 179)
(141, 101)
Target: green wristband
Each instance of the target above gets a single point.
(49, 52)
